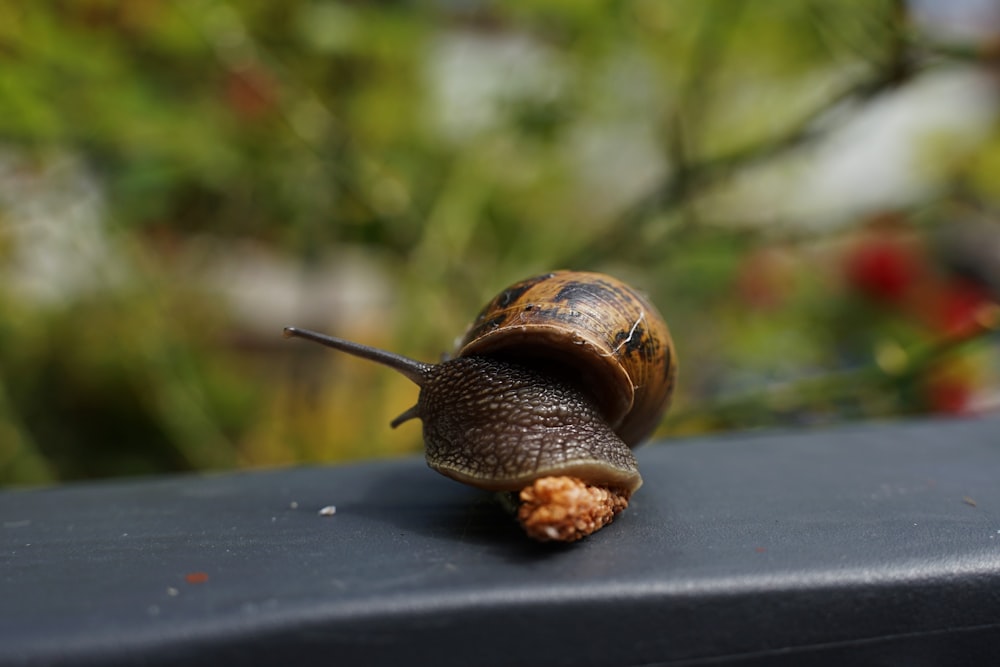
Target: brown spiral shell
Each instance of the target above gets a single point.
(595, 328)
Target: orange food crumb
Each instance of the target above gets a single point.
(196, 577)
(566, 509)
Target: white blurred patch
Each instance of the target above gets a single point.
(957, 20)
(52, 236)
(473, 75)
(893, 150)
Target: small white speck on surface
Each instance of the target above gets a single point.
(274, 519)
(293, 505)
(329, 510)
(153, 610)
(172, 592)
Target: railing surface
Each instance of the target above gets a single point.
(870, 544)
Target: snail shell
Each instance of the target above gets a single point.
(607, 337)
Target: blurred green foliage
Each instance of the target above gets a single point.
(181, 178)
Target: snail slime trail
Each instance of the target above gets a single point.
(555, 382)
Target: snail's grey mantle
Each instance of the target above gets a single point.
(857, 545)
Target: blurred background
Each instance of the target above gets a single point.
(808, 189)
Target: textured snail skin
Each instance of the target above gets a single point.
(500, 425)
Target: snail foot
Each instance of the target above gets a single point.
(565, 509)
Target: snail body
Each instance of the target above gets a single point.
(559, 376)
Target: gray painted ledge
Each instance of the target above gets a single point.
(865, 544)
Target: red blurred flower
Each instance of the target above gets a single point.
(884, 269)
(959, 307)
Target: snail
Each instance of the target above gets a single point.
(550, 388)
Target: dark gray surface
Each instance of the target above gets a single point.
(873, 544)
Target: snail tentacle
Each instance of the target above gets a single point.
(411, 413)
(417, 371)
